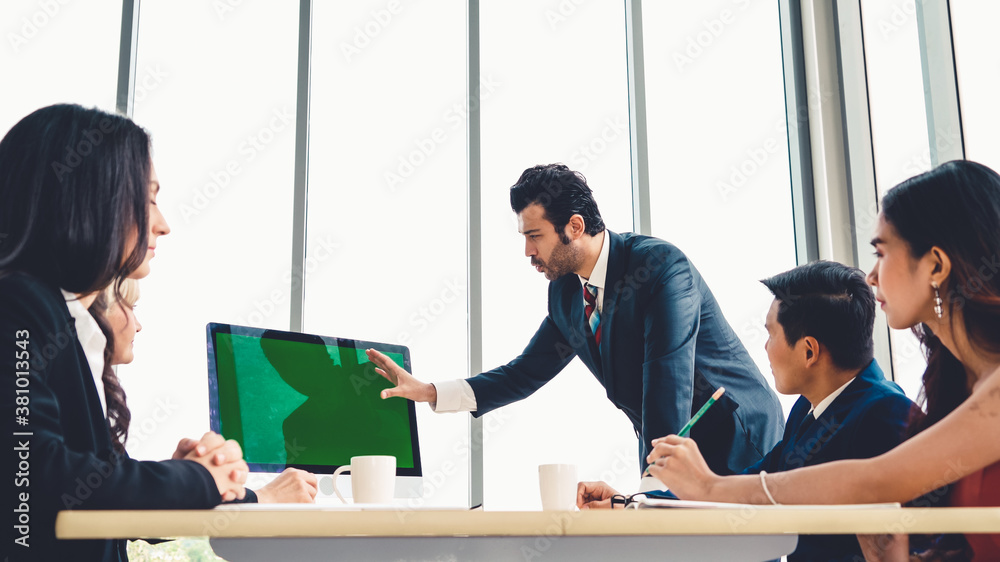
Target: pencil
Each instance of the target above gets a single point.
(694, 419)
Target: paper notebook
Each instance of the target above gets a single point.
(325, 506)
(659, 503)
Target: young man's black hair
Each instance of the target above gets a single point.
(830, 302)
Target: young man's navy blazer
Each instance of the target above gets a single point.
(866, 420)
(665, 348)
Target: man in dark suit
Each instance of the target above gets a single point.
(820, 346)
(639, 316)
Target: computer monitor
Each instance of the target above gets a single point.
(309, 402)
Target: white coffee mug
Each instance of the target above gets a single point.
(557, 483)
(373, 479)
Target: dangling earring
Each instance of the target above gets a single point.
(937, 300)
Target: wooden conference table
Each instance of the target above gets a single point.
(757, 533)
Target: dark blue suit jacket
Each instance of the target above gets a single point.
(866, 420)
(665, 348)
(70, 463)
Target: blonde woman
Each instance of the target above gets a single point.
(291, 486)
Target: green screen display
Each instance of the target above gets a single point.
(307, 403)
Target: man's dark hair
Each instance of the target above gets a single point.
(830, 302)
(562, 193)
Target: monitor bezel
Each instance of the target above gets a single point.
(215, 418)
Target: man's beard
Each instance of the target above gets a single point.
(565, 259)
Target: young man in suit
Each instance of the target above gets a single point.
(639, 316)
(820, 346)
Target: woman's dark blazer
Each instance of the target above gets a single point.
(62, 458)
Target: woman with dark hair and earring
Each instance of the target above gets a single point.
(78, 213)
(937, 271)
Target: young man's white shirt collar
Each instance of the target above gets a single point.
(825, 403)
(92, 340)
(457, 395)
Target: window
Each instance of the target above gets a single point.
(387, 200)
(219, 103)
(977, 61)
(558, 92)
(899, 137)
(387, 239)
(42, 70)
(718, 170)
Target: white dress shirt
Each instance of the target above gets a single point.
(457, 395)
(598, 276)
(825, 403)
(92, 340)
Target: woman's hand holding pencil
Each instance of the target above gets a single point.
(694, 419)
(676, 461)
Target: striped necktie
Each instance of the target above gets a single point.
(590, 311)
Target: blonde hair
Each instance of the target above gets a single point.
(128, 295)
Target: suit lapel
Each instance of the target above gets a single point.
(823, 428)
(612, 294)
(846, 401)
(572, 301)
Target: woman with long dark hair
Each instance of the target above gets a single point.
(937, 246)
(77, 214)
